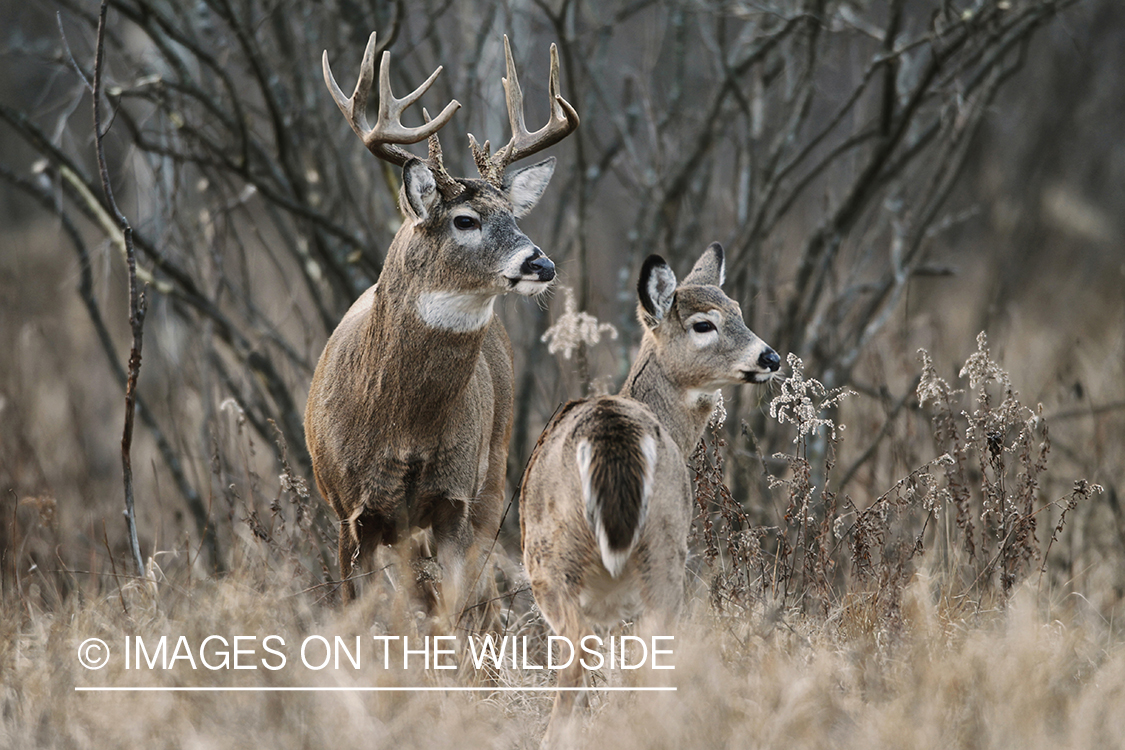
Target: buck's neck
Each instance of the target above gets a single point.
(683, 412)
(412, 361)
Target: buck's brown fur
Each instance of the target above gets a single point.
(410, 408)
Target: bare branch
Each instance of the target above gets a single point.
(137, 305)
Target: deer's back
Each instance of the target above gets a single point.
(560, 543)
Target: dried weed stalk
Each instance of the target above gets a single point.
(1004, 447)
(826, 554)
(574, 329)
(791, 563)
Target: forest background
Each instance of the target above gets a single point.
(887, 176)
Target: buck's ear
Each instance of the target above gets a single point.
(710, 269)
(420, 189)
(656, 289)
(524, 187)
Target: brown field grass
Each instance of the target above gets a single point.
(900, 640)
(1035, 675)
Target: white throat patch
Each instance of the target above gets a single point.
(455, 311)
(696, 398)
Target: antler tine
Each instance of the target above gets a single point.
(448, 186)
(562, 122)
(513, 95)
(388, 129)
(355, 107)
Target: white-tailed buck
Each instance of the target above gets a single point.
(606, 503)
(410, 408)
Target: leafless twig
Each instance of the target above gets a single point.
(137, 303)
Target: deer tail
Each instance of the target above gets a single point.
(616, 459)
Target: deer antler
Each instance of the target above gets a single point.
(562, 123)
(381, 139)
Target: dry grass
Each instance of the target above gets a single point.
(842, 626)
(1030, 676)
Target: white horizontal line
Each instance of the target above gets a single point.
(367, 689)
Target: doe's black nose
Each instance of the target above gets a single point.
(770, 360)
(540, 265)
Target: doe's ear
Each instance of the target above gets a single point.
(656, 289)
(524, 187)
(710, 269)
(420, 189)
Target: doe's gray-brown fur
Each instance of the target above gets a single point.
(606, 500)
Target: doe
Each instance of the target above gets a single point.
(606, 502)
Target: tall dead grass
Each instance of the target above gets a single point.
(1027, 676)
(930, 617)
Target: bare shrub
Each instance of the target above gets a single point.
(837, 130)
(828, 551)
(1003, 446)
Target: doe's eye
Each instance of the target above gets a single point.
(703, 326)
(466, 222)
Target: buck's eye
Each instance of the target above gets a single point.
(703, 326)
(466, 222)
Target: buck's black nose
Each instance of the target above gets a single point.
(770, 360)
(539, 264)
